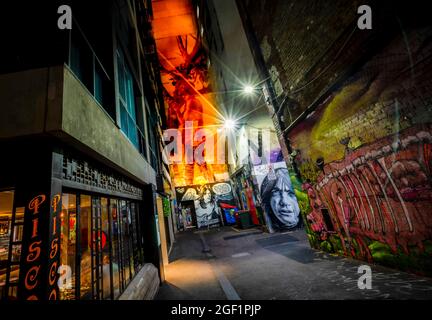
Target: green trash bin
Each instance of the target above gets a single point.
(244, 219)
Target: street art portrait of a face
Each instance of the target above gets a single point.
(279, 196)
(279, 200)
(206, 208)
(208, 200)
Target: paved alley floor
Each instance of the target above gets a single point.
(231, 264)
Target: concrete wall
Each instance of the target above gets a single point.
(52, 101)
(86, 121)
(30, 102)
(163, 229)
(144, 286)
(359, 119)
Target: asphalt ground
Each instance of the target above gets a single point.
(232, 264)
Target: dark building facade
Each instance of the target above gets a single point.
(81, 170)
(352, 108)
(258, 151)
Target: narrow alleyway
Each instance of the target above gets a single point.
(259, 128)
(249, 264)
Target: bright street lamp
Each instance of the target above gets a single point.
(230, 124)
(248, 89)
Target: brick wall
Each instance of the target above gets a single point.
(351, 94)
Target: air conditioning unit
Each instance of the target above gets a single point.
(159, 182)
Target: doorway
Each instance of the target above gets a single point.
(189, 214)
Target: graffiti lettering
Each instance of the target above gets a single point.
(375, 194)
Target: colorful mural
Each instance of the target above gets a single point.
(280, 195)
(365, 160)
(187, 89)
(265, 149)
(208, 200)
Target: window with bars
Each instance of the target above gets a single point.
(102, 243)
(11, 232)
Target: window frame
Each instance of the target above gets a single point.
(120, 247)
(127, 101)
(4, 295)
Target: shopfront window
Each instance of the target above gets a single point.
(131, 239)
(134, 231)
(106, 259)
(125, 245)
(85, 251)
(115, 245)
(101, 243)
(68, 222)
(17, 235)
(6, 227)
(19, 225)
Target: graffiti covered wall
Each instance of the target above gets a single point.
(208, 200)
(189, 101)
(365, 159)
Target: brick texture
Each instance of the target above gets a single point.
(358, 112)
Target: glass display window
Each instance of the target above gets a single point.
(106, 256)
(10, 245)
(125, 242)
(101, 246)
(115, 249)
(68, 247)
(85, 247)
